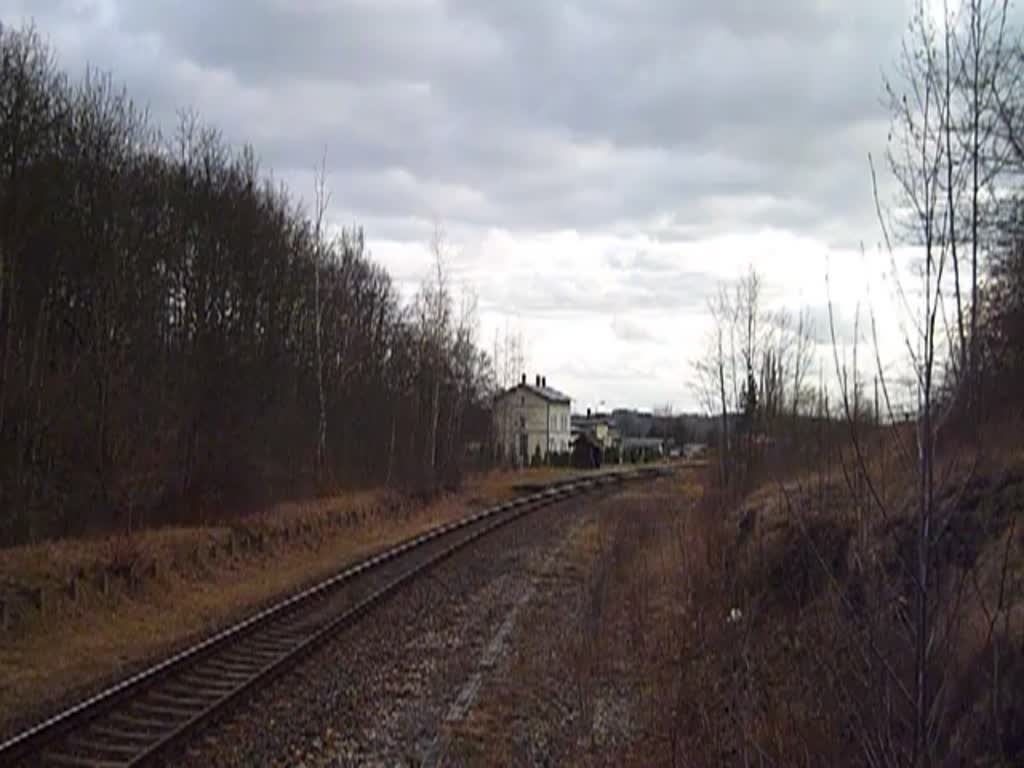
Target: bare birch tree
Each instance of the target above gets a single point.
(435, 319)
(709, 381)
(944, 158)
(322, 199)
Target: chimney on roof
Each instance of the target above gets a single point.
(524, 379)
(538, 379)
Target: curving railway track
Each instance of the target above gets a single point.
(139, 719)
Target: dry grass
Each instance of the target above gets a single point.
(774, 630)
(819, 569)
(109, 604)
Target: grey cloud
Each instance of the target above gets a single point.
(627, 290)
(531, 116)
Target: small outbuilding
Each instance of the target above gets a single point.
(586, 451)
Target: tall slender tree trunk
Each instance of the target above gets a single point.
(391, 447)
(947, 130)
(922, 693)
(321, 432)
(5, 348)
(5, 331)
(975, 163)
(724, 448)
(322, 201)
(923, 617)
(435, 409)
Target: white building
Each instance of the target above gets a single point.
(531, 419)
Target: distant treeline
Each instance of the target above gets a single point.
(159, 352)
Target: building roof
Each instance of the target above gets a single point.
(547, 393)
(596, 418)
(642, 442)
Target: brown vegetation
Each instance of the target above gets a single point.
(817, 668)
(699, 629)
(83, 612)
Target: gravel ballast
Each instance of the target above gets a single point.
(386, 691)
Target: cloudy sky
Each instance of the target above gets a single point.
(598, 165)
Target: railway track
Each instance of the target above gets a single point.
(142, 717)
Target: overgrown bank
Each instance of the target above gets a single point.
(771, 629)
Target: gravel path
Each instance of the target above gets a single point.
(387, 691)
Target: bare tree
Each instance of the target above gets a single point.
(509, 364)
(174, 327)
(509, 354)
(916, 158)
(986, 76)
(802, 358)
(941, 151)
(709, 381)
(435, 319)
(322, 199)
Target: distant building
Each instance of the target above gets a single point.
(632, 435)
(642, 448)
(587, 452)
(532, 419)
(599, 426)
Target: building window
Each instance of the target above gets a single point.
(522, 422)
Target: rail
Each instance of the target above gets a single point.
(140, 717)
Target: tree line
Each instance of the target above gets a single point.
(178, 335)
(755, 376)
